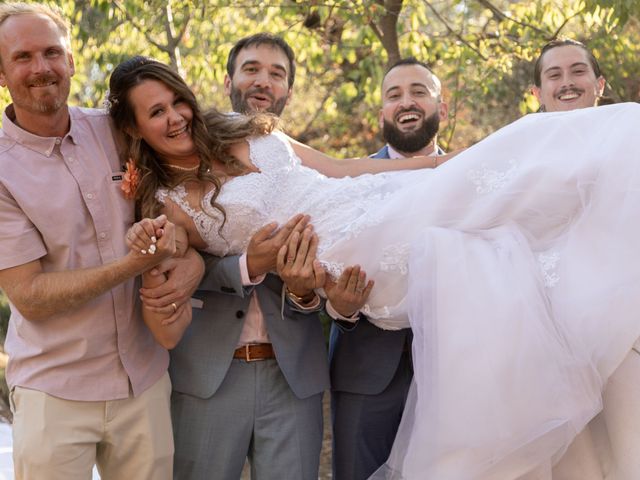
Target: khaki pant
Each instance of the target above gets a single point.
(609, 447)
(56, 439)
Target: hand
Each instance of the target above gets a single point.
(183, 277)
(350, 292)
(262, 252)
(297, 265)
(143, 235)
(154, 249)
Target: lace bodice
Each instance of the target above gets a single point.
(339, 207)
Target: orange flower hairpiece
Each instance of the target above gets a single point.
(131, 180)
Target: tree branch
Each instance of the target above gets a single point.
(452, 31)
(501, 16)
(386, 28)
(137, 26)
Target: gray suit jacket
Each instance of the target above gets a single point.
(200, 361)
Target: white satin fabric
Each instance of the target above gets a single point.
(524, 294)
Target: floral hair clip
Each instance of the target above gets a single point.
(131, 179)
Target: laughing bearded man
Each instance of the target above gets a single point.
(412, 109)
(371, 369)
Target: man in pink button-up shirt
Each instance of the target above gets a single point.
(88, 382)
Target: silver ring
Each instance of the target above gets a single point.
(175, 307)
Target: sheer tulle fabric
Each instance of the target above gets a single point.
(515, 263)
(523, 296)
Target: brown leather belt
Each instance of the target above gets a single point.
(253, 353)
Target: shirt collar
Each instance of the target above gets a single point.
(42, 145)
(393, 153)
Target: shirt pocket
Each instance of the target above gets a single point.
(126, 205)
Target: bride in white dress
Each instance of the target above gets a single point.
(515, 264)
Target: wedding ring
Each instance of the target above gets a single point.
(175, 307)
(290, 261)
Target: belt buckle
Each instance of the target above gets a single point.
(247, 354)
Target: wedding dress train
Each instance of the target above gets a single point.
(515, 264)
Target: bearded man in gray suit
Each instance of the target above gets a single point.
(371, 368)
(249, 374)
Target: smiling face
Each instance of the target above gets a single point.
(36, 65)
(411, 109)
(163, 120)
(260, 80)
(567, 80)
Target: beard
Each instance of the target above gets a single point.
(415, 140)
(47, 103)
(240, 104)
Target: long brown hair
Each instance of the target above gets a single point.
(213, 133)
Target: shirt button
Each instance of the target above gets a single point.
(58, 141)
(103, 235)
(239, 314)
(90, 196)
(71, 159)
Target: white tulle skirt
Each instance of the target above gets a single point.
(522, 287)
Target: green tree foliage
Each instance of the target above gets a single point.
(482, 49)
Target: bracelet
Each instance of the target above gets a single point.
(298, 299)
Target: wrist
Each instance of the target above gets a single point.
(303, 298)
(338, 313)
(254, 270)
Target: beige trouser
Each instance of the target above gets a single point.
(56, 439)
(609, 447)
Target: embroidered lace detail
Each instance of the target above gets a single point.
(344, 211)
(548, 262)
(395, 258)
(378, 314)
(487, 180)
(334, 269)
(342, 207)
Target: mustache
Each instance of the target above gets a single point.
(410, 109)
(566, 90)
(261, 91)
(43, 79)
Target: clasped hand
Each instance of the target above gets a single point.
(152, 239)
(180, 275)
(291, 251)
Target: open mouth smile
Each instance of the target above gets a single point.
(176, 133)
(408, 119)
(569, 95)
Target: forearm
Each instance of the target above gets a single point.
(166, 328)
(353, 167)
(39, 295)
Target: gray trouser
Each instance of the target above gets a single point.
(253, 414)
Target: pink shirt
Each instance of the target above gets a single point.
(254, 329)
(60, 202)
